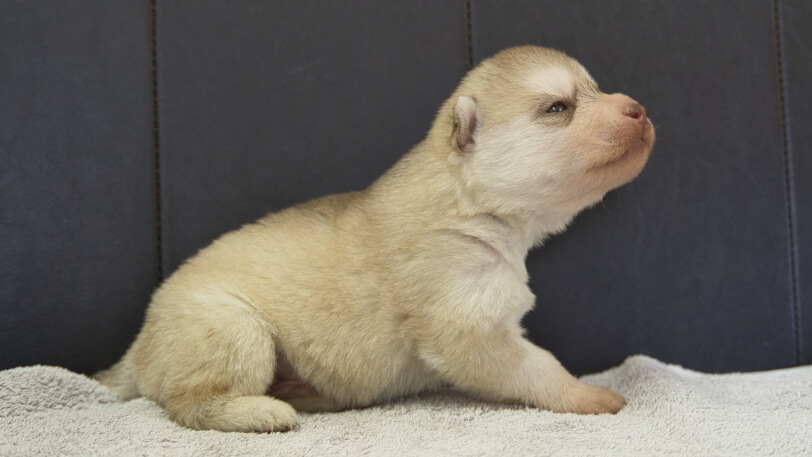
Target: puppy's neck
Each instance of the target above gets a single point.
(515, 235)
(422, 192)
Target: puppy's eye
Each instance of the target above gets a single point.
(557, 107)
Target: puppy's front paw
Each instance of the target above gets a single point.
(587, 399)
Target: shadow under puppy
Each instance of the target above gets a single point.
(416, 282)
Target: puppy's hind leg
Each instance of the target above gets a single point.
(221, 365)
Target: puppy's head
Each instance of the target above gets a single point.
(532, 133)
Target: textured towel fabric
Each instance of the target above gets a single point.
(672, 411)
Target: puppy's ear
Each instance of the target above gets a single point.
(466, 122)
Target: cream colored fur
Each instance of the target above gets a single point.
(416, 282)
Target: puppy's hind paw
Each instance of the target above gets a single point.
(589, 399)
(280, 417)
(259, 414)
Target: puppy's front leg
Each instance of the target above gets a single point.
(500, 365)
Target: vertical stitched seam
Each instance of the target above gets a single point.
(156, 143)
(468, 32)
(789, 185)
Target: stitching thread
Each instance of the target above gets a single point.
(789, 185)
(159, 271)
(468, 32)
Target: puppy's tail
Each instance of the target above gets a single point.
(120, 378)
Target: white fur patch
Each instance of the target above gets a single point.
(554, 80)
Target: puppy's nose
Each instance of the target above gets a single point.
(636, 111)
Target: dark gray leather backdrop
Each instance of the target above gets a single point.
(132, 134)
(77, 198)
(797, 67)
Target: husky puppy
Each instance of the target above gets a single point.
(415, 283)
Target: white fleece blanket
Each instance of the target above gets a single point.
(48, 411)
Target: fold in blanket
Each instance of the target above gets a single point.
(671, 411)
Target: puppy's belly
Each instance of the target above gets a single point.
(351, 388)
(286, 383)
(286, 389)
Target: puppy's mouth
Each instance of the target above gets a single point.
(632, 148)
